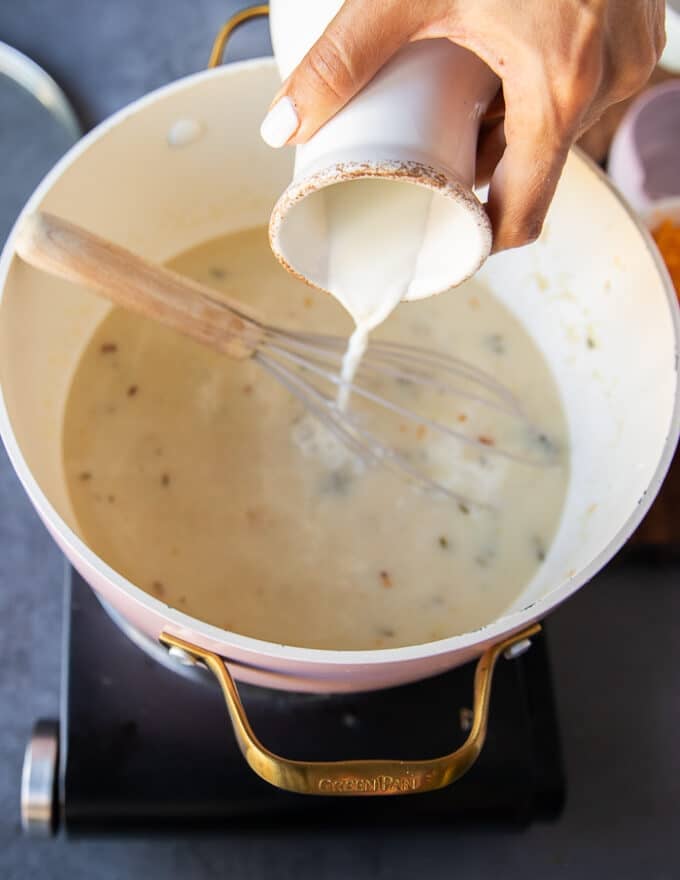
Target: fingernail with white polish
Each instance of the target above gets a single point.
(280, 124)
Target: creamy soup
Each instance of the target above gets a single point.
(203, 481)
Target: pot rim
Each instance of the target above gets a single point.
(205, 632)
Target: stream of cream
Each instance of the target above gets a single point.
(375, 234)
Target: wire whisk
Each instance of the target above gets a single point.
(447, 402)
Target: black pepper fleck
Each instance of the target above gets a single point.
(385, 579)
(496, 343)
(539, 548)
(158, 588)
(546, 444)
(337, 482)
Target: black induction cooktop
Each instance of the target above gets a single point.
(145, 747)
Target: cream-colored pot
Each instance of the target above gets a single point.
(186, 164)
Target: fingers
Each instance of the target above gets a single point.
(525, 178)
(354, 46)
(490, 148)
(545, 105)
(549, 61)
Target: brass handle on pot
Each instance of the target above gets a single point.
(372, 777)
(228, 29)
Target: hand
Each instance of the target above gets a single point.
(562, 63)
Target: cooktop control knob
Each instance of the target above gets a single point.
(39, 780)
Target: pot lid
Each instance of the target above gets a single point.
(38, 126)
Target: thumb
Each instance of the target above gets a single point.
(354, 46)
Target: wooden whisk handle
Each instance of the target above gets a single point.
(70, 252)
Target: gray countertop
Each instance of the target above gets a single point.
(616, 656)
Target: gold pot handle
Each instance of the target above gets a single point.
(228, 29)
(372, 777)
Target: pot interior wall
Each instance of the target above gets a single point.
(592, 294)
(134, 186)
(589, 291)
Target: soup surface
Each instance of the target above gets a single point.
(204, 481)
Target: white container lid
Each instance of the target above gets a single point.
(644, 160)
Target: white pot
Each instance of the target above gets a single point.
(592, 273)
